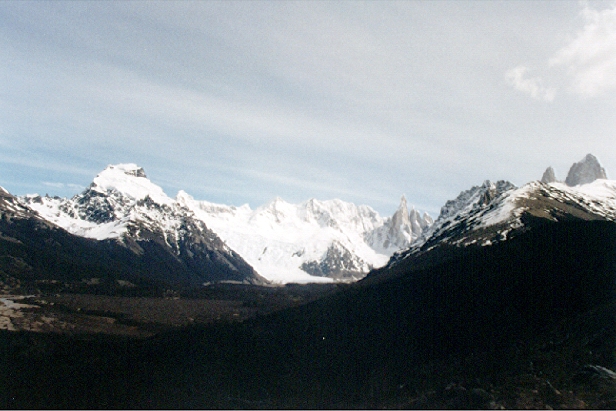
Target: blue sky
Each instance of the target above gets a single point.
(240, 102)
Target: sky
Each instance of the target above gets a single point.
(242, 102)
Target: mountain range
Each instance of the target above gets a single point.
(507, 301)
(106, 236)
(314, 241)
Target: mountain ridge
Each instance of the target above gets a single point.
(494, 212)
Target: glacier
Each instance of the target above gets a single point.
(282, 241)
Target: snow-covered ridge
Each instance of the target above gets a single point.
(11, 207)
(480, 206)
(488, 214)
(491, 212)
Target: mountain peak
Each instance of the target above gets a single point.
(474, 198)
(549, 176)
(403, 204)
(128, 180)
(586, 171)
(130, 169)
(401, 216)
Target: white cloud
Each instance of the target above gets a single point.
(532, 86)
(63, 185)
(586, 66)
(591, 57)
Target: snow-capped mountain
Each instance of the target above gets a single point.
(495, 212)
(312, 241)
(122, 205)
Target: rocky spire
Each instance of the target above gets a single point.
(586, 171)
(549, 176)
(400, 219)
(417, 223)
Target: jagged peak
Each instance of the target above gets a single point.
(477, 195)
(585, 171)
(549, 176)
(276, 203)
(428, 218)
(403, 209)
(183, 196)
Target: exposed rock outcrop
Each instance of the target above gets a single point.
(586, 171)
(549, 176)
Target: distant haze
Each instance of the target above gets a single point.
(241, 102)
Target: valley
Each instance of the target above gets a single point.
(144, 314)
(516, 325)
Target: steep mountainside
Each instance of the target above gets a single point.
(36, 254)
(123, 206)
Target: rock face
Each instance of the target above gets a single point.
(399, 231)
(586, 171)
(338, 263)
(549, 176)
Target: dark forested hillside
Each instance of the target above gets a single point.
(39, 254)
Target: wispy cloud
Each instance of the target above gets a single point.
(586, 66)
(532, 86)
(591, 57)
(62, 186)
(241, 101)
